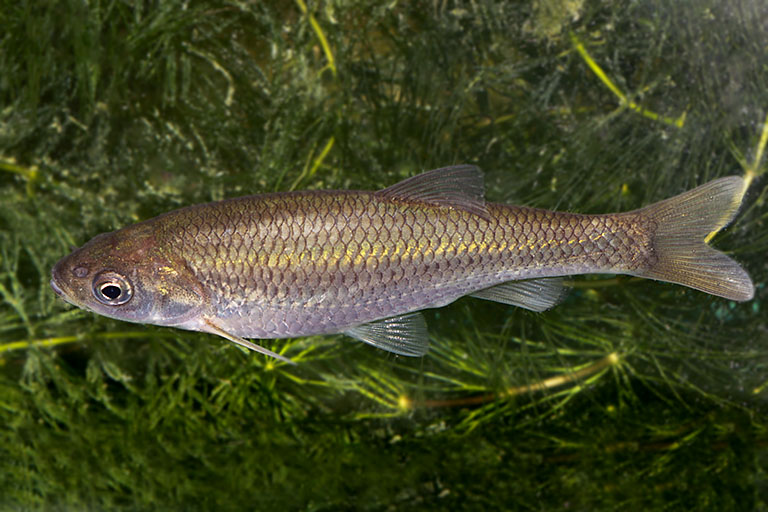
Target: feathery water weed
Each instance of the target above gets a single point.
(628, 395)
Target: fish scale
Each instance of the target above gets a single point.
(374, 257)
(364, 263)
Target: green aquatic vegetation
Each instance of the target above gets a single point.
(631, 394)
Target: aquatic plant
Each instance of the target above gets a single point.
(631, 394)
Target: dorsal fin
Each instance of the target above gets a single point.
(458, 186)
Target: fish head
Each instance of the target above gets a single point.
(126, 275)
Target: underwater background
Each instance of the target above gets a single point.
(630, 395)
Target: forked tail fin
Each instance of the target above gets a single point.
(685, 223)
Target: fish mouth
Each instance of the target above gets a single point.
(56, 279)
(56, 288)
(60, 288)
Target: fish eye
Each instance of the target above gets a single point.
(112, 289)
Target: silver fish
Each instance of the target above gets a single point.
(364, 263)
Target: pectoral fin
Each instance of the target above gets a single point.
(215, 329)
(534, 294)
(405, 335)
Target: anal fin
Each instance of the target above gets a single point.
(405, 335)
(534, 294)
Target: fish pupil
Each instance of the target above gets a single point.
(111, 291)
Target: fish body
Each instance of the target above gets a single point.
(364, 263)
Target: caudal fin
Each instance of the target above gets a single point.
(685, 223)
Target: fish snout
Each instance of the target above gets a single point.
(56, 288)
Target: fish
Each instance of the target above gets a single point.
(366, 263)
